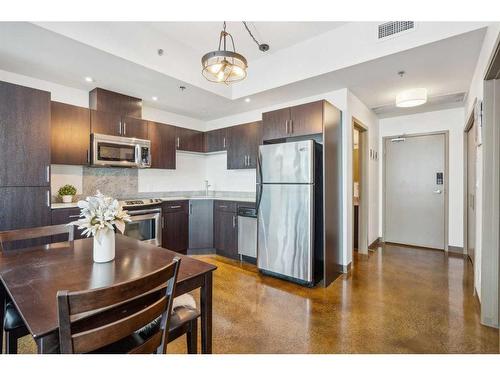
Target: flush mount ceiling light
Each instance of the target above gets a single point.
(411, 98)
(226, 65)
(89, 79)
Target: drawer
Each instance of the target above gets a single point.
(226, 206)
(65, 216)
(176, 206)
(246, 204)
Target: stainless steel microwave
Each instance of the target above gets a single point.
(114, 151)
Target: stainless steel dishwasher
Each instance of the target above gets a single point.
(247, 232)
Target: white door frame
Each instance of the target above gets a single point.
(467, 128)
(446, 178)
(363, 213)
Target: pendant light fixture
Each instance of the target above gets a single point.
(226, 65)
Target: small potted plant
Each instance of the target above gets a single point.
(67, 192)
(100, 215)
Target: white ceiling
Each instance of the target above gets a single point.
(444, 67)
(203, 37)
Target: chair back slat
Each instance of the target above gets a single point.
(96, 338)
(150, 345)
(84, 301)
(91, 320)
(36, 232)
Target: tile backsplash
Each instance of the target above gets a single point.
(116, 182)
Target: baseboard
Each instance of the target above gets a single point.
(341, 268)
(375, 243)
(455, 249)
(200, 251)
(477, 302)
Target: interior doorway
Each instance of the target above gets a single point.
(415, 190)
(360, 154)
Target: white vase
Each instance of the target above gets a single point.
(67, 198)
(105, 250)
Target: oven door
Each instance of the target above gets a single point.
(145, 225)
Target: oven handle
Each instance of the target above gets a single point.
(141, 212)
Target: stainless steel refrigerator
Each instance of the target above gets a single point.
(289, 211)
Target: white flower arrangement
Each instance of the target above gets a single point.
(100, 213)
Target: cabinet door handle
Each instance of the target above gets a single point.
(248, 158)
(124, 128)
(120, 127)
(286, 126)
(47, 173)
(178, 142)
(224, 143)
(162, 222)
(48, 198)
(73, 216)
(222, 206)
(174, 206)
(234, 221)
(190, 209)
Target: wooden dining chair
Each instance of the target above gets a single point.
(13, 324)
(105, 320)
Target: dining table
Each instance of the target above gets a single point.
(31, 278)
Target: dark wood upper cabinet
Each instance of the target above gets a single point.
(189, 140)
(109, 101)
(243, 144)
(275, 124)
(216, 140)
(24, 136)
(134, 128)
(175, 224)
(162, 139)
(70, 134)
(306, 119)
(105, 122)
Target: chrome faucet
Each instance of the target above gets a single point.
(206, 187)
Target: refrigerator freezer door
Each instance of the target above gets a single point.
(285, 230)
(291, 162)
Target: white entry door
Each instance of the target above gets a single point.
(415, 190)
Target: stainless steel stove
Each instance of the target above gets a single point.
(146, 219)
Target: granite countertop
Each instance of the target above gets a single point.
(176, 198)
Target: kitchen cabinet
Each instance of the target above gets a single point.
(175, 226)
(243, 146)
(70, 134)
(65, 216)
(201, 224)
(163, 138)
(226, 229)
(215, 140)
(108, 101)
(24, 136)
(275, 124)
(105, 123)
(301, 120)
(306, 119)
(134, 128)
(189, 140)
(24, 207)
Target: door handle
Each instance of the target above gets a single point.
(174, 206)
(48, 198)
(234, 221)
(286, 126)
(120, 127)
(178, 142)
(224, 143)
(124, 128)
(48, 173)
(291, 126)
(438, 191)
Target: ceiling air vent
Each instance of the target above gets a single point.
(388, 29)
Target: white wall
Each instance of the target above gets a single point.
(357, 109)
(451, 120)
(476, 93)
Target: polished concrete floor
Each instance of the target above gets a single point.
(396, 300)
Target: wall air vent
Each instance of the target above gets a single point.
(388, 29)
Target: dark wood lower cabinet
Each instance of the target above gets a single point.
(24, 207)
(226, 230)
(175, 226)
(65, 216)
